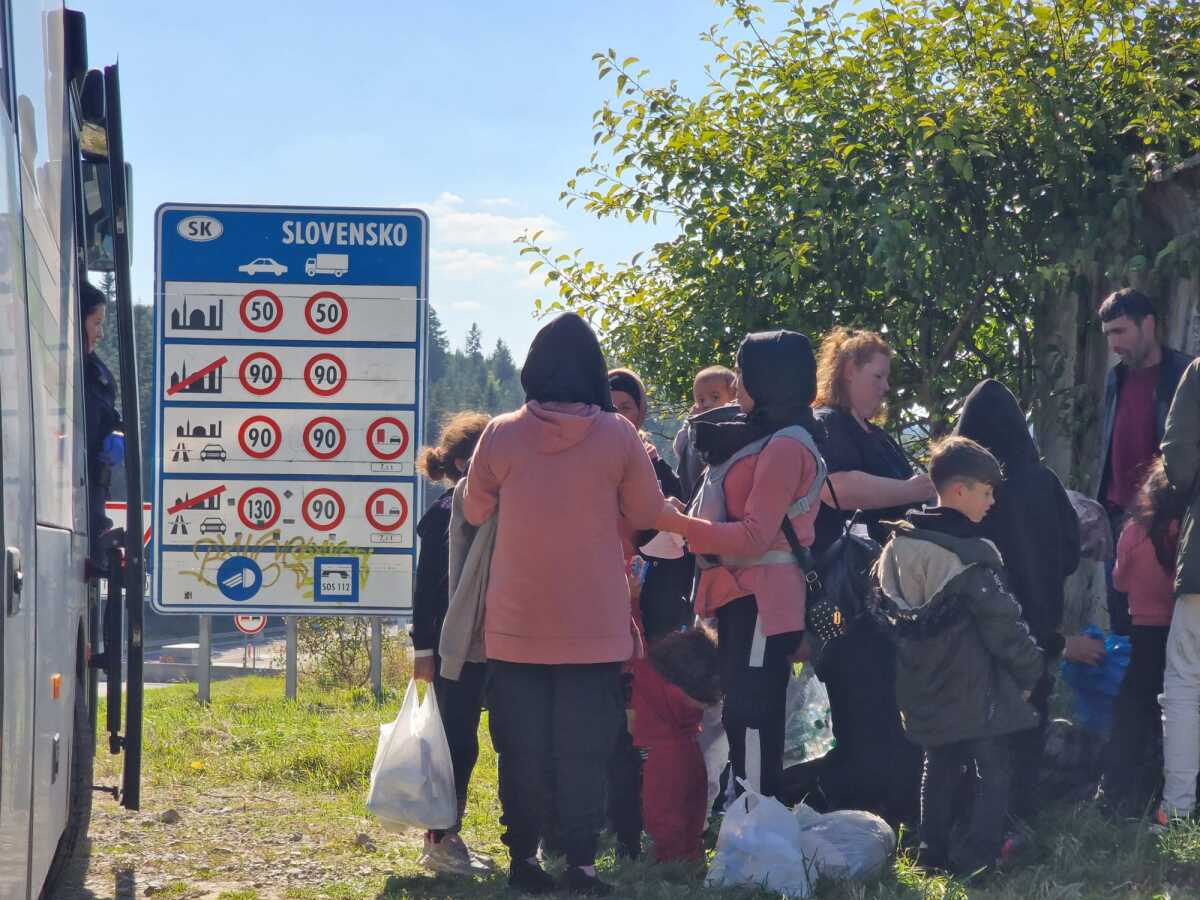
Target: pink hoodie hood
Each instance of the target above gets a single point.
(560, 426)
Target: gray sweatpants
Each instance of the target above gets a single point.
(1181, 708)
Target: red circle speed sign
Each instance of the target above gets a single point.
(260, 437)
(326, 312)
(387, 437)
(250, 624)
(387, 509)
(324, 437)
(325, 374)
(261, 311)
(323, 509)
(258, 508)
(260, 373)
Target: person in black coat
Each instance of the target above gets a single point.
(105, 442)
(1036, 531)
(873, 765)
(459, 702)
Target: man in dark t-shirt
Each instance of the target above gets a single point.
(1137, 395)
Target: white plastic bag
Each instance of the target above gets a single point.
(762, 843)
(854, 844)
(412, 780)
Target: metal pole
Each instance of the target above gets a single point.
(290, 674)
(204, 661)
(377, 658)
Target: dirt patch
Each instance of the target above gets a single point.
(233, 846)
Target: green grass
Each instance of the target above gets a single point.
(286, 770)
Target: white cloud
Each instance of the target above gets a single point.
(453, 223)
(465, 305)
(460, 262)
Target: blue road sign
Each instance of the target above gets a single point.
(289, 391)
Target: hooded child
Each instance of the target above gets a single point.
(1036, 530)
(965, 660)
(761, 467)
(557, 614)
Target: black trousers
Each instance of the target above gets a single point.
(1118, 602)
(460, 703)
(554, 724)
(1133, 759)
(983, 768)
(625, 783)
(754, 677)
(1029, 746)
(873, 765)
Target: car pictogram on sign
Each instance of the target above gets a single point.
(213, 525)
(213, 452)
(264, 265)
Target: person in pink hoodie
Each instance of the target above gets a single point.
(560, 473)
(752, 582)
(1145, 572)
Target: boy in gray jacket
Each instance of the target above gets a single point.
(965, 660)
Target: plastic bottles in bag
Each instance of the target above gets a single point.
(808, 732)
(412, 779)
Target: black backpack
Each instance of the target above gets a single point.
(840, 583)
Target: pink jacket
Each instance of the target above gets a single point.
(562, 475)
(1138, 573)
(758, 491)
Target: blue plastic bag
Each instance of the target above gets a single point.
(1096, 687)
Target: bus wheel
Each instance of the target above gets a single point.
(79, 810)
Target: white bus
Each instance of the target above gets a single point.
(63, 211)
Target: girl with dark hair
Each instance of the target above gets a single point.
(1145, 570)
(557, 617)
(762, 466)
(460, 700)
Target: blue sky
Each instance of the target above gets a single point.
(477, 111)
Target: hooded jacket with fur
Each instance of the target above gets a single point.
(963, 654)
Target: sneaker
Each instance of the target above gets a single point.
(1161, 821)
(527, 878)
(1014, 846)
(577, 881)
(450, 856)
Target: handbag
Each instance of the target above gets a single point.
(839, 581)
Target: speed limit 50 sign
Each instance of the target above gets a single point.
(289, 390)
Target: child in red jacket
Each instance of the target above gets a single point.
(671, 687)
(1145, 571)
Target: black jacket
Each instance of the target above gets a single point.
(102, 419)
(1170, 371)
(963, 654)
(1032, 524)
(847, 447)
(666, 592)
(431, 596)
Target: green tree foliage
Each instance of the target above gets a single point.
(467, 379)
(942, 170)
